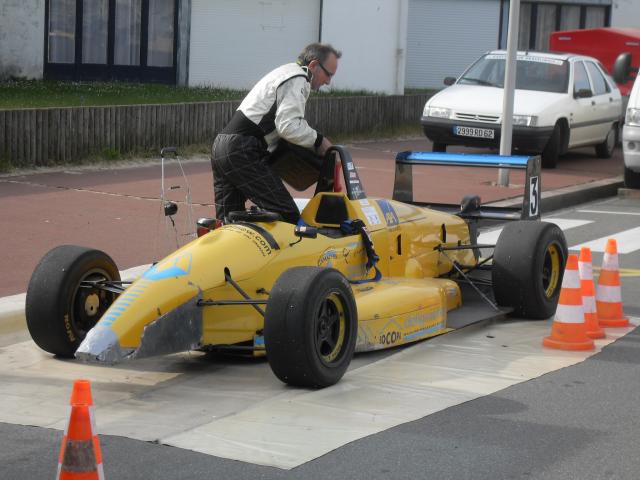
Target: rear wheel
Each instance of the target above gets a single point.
(60, 310)
(553, 148)
(631, 178)
(310, 326)
(605, 149)
(528, 264)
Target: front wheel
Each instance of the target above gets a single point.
(61, 305)
(552, 149)
(439, 147)
(631, 178)
(310, 327)
(528, 264)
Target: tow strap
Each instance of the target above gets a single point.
(352, 227)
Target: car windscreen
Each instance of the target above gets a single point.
(532, 73)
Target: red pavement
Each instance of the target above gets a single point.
(117, 210)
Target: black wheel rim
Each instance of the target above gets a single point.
(330, 328)
(90, 303)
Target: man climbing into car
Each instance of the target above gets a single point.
(272, 110)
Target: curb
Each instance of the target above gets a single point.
(570, 196)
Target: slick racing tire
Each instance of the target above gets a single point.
(59, 310)
(310, 327)
(528, 264)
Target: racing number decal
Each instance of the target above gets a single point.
(534, 197)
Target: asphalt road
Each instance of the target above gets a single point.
(578, 422)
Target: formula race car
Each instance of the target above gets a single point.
(356, 274)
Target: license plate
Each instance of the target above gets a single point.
(474, 132)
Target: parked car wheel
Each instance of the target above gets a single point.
(528, 264)
(58, 309)
(605, 149)
(310, 326)
(631, 178)
(553, 148)
(439, 147)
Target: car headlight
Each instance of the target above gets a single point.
(437, 112)
(633, 116)
(525, 120)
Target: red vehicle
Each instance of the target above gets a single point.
(605, 44)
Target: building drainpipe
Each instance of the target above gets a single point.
(401, 43)
(320, 23)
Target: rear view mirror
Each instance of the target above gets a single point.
(583, 93)
(622, 68)
(449, 81)
(305, 231)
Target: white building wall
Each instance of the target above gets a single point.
(444, 37)
(625, 13)
(372, 37)
(235, 42)
(21, 38)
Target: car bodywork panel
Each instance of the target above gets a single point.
(160, 312)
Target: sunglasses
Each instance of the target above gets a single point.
(327, 72)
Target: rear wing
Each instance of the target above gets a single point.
(530, 210)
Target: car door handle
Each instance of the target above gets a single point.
(593, 103)
(610, 99)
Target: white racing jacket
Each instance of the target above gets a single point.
(276, 105)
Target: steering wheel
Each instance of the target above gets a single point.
(254, 214)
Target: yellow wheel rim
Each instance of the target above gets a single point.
(551, 270)
(331, 327)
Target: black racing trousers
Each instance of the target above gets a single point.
(241, 171)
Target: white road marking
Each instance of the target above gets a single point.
(609, 212)
(491, 237)
(628, 241)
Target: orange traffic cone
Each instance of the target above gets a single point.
(568, 331)
(608, 294)
(588, 290)
(80, 455)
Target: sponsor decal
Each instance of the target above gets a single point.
(526, 58)
(364, 201)
(171, 268)
(258, 240)
(350, 166)
(390, 338)
(389, 213)
(327, 258)
(372, 215)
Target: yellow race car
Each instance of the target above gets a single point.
(356, 274)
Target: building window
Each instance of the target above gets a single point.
(160, 50)
(62, 31)
(130, 40)
(95, 19)
(127, 39)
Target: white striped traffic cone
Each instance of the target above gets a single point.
(608, 293)
(588, 290)
(568, 330)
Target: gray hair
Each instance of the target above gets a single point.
(317, 51)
